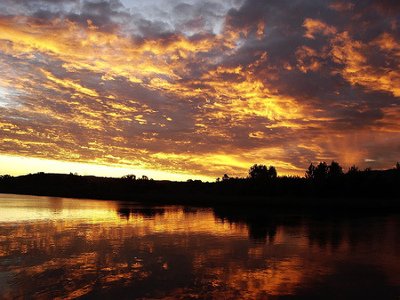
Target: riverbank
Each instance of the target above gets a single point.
(282, 193)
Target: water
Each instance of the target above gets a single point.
(69, 248)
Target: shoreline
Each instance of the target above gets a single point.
(279, 204)
(372, 190)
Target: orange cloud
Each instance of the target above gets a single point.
(357, 70)
(315, 26)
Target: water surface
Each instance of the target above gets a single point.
(70, 248)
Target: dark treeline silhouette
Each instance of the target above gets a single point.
(323, 185)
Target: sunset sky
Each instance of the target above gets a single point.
(179, 89)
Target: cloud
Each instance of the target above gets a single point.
(202, 87)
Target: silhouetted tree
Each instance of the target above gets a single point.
(398, 166)
(262, 173)
(225, 177)
(272, 172)
(310, 172)
(320, 172)
(335, 170)
(258, 172)
(353, 170)
(144, 177)
(129, 177)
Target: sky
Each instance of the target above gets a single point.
(180, 89)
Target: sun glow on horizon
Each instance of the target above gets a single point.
(17, 165)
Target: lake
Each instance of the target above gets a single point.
(69, 248)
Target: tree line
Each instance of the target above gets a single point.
(320, 172)
(262, 185)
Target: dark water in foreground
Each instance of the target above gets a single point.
(67, 249)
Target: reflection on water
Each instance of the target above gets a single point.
(68, 248)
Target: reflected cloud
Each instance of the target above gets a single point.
(128, 250)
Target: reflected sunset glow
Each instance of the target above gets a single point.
(70, 248)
